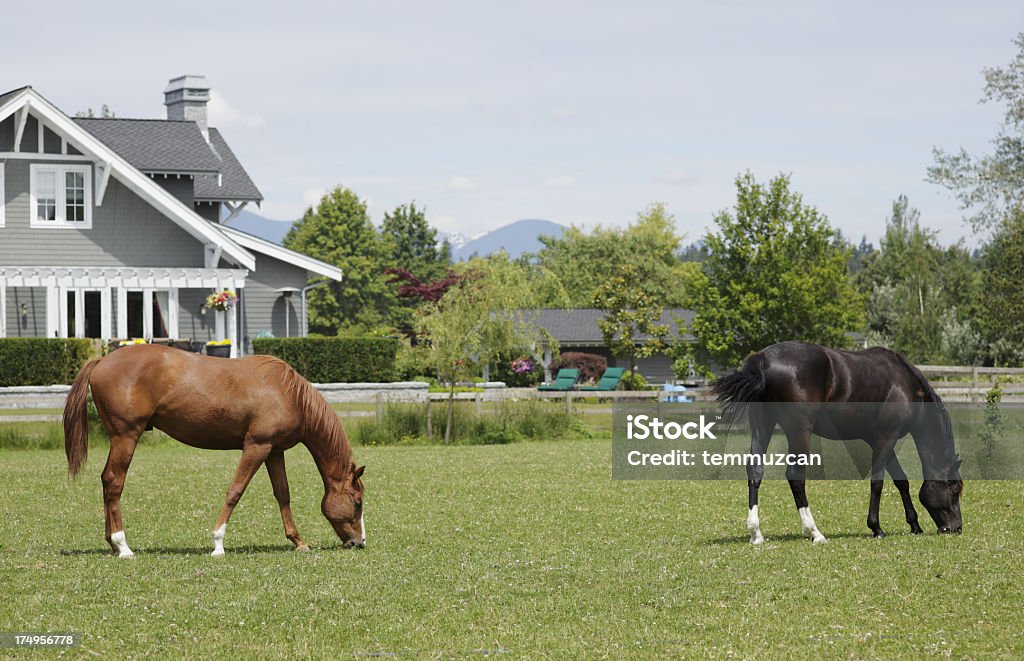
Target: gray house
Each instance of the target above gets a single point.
(118, 228)
(577, 330)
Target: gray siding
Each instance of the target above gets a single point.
(126, 231)
(208, 210)
(34, 299)
(30, 138)
(7, 134)
(179, 187)
(265, 308)
(191, 322)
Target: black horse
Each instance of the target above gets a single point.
(874, 395)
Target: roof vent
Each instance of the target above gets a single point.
(186, 98)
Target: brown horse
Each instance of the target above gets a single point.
(258, 405)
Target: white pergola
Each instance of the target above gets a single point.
(58, 281)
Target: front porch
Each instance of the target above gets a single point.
(119, 302)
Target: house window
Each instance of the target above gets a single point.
(60, 196)
(152, 322)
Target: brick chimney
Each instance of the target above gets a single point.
(186, 98)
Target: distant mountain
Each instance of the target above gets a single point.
(515, 239)
(251, 223)
(455, 239)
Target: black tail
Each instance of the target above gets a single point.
(747, 384)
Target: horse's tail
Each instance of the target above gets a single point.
(76, 420)
(745, 385)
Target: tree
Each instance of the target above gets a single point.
(630, 314)
(582, 261)
(776, 270)
(1002, 309)
(410, 245)
(339, 231)
(990, 185)
(105, 113)
(478, 318)
(919, 296)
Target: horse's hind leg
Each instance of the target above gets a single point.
(881, 455)
(279, 481)
(122, 448)
(761, 427)
(253, 456)
(899, 478)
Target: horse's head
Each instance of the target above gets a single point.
(343, 507)
(942, 500)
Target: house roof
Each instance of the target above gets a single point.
(265, 247)
(155, 145)
(235, 184)
(170, 146)
(579, 326)
(110, 160)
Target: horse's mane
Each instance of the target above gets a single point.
(318, 418)
(930, 395)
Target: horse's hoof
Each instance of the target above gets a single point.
(878, 534)
(820, 539)
(126, 554)
(757, 539)
(302, 547)
(217, 553)
(916, 530)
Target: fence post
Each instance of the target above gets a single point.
(380, 407)
(430, 424)
(568, 402)
(477, 401)
(974, 384)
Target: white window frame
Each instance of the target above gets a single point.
(171, 319)
(79, 293)
(60, 171)
(3, 195)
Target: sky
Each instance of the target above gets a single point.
(578, 112)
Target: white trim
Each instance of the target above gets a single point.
(52, 311)
(56, 158)
(3, 307)
(285, 255)
(21, 120)
(127, 277)
(122, 312)
(172, 312)
(101, 182)
(62, 311)
(40, 135)
(79, 313)
(3, 195)
(60, 172)
(105, 312)
(127, 174)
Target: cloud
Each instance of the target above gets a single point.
(677, 177)
(461, 184)
(561, 181)
(222, 114)
(562, 114)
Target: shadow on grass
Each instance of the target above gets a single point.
(183, 551)
(788, 537)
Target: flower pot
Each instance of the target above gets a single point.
(218, 350)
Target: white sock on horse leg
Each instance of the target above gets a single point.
(808, 526)
(754, 526)
(218, 540)
(117, 540)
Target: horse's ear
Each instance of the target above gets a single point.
(358, 474)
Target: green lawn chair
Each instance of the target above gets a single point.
(609, 380)
(565, 380)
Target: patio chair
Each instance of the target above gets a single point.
(609, 380)
(565, 380)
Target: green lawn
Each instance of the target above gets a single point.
(529, 549)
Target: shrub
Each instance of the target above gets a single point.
(591, 366)
(335, 359)
(509, 421)
(634, 381)
(41, 361)
(518, 371)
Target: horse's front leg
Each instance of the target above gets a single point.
(881, 454)
(253, 456)
(279, 481)
(800, 445)
(899, 478)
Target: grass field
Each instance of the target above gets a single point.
(524, 550)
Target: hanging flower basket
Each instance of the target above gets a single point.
(221, 301)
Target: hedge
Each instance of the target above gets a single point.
(41, 361)
(335, 359)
